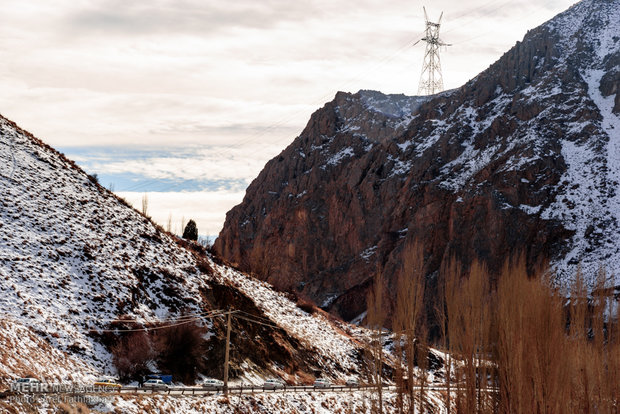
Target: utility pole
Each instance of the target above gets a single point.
(227, 352)
(431, 81)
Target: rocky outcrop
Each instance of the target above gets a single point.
(520, 160)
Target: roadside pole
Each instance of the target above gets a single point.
(227, 353)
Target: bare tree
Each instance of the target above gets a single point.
(376, 318)
(468, 316)
(132, 354)
(449, 273)
(145, 204)
(408, 318)
(545, 350)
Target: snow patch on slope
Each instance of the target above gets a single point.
(568, 23)
(591, 206)
(338, 350)
(340, 155)
(395, 106)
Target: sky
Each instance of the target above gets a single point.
(186, 100)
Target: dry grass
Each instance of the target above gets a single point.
(78, 408)
(542, 353)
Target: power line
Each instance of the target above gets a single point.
(472, 11)
(256, 317)
(531, 12)
(154, 328)
(170, 319)
(258, 322)
(180, 318)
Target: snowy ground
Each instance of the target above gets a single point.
(300, 403)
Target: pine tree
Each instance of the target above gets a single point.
(191, 231)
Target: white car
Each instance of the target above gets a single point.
(273, 384)
(212, 383)
(155, 384)
(352, 382)
(322, 383)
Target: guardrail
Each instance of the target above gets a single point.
(246, 389)
(189, 390)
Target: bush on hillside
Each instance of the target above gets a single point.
(180, 350)
(306, 305)
(132, 355)
(191, 231)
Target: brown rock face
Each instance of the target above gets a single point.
(514, 162)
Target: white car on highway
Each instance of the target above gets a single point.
(273, 384)
(155, 384)
(212, 383)
(352, 382)
(322, 383)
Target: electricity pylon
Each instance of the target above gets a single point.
(431, 81)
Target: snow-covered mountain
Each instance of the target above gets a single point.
(74, 258)
(525, 158)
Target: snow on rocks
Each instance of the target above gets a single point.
(590, 202)
(337, 349)
(395, 105)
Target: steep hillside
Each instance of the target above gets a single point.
(74, 259)
(525, 158)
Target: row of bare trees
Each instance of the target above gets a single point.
(513, 342)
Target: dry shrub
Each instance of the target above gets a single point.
(306, 305)
(177, 347)
(132, 354)
(180, 349)
(203, 265)
(303, 378)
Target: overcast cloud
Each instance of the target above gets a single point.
(217, 88)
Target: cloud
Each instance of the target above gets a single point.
(184, 168)
(232, 82)
(195, 17)
(205, 164)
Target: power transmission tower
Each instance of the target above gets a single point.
(431, 81)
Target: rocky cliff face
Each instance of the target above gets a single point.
(525, 158)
